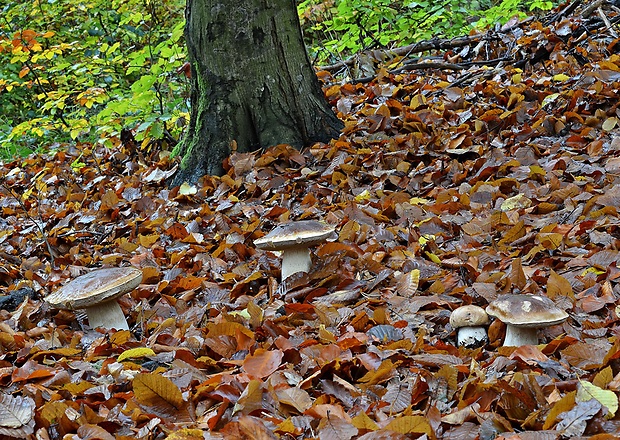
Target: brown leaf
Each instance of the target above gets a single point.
(558, 286)
(93, 432)
(335, 428)
(262, 363)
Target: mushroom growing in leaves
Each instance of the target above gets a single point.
(469, 322)
(294, 239)
(96, 292)
(524, 315)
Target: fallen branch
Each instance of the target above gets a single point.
(422, 46)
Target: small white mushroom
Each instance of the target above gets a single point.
(524, 315)
(294, 239)
(96, 292)
(469, 322)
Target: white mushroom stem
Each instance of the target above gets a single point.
(518, 336)
(107, 315)
(471, 336)
(295, 260)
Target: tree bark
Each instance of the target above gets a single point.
(252, 83)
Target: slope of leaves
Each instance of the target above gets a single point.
(445, 189)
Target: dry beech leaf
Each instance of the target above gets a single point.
(248, 428)
(186, 434)
(573, 422)
(363, 422)
(251, 398)
(154, 390)
(295, 397)
(334, 428)
(262, 363)
(93, 432)
(134, 353)
(587, 355)
(411, 425)
(558, 286)
(407, 283)
(385, 333)
(15, 411)
(398, 397)
(563, 405)
(608, 399)
(603, 377)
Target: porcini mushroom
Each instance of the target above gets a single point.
(524, 315)
(294, 239)
(469, 322)
(96, 292)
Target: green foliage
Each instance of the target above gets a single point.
(336, 29)
(86, 70)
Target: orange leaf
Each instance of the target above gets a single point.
(262, 363)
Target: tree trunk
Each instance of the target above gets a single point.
(252, 83)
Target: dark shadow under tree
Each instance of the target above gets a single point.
(252, 84)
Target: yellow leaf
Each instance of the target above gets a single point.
(550, 240)
(514, 233)
(610, 123)
(566, 403)
(536, 170)
(561, 77)
(187, 190)
(363, 422)
(593, 270)
(586, 391)
(363, 196)
(133, 353)
(152, 389)
(425, 239)
(287, 427)
(411, 424)
(325, 335)
(549, 99)
(186, 434)
(417, 201)
(434, 258)
(516, 202)
(603, 377)
(382, 374)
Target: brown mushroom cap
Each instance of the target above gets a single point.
(295, 234)
(468, 316)
(95, 287)
(531, 311)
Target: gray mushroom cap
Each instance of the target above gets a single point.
(295, 234)
(528, 311)
(95, 287)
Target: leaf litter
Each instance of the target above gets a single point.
(447, 187)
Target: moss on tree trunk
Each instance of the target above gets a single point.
(252, 83)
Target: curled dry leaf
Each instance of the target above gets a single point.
(16, 415)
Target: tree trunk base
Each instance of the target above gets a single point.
(252, 84)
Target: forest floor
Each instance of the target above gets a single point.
(496, 172)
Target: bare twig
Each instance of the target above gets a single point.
(589, 10)
(608, 25)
